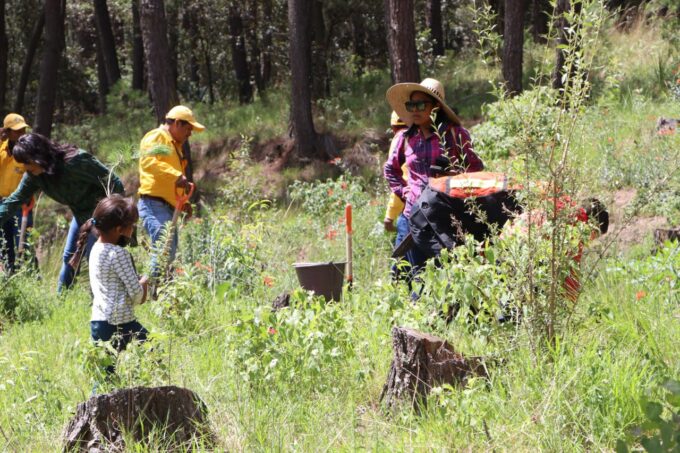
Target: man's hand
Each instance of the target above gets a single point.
(389, 225)
(182, 181)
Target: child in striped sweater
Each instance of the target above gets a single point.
(116, 287)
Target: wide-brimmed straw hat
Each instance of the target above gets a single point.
(397, 95)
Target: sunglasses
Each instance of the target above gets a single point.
(416, 106)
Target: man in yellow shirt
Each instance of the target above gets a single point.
(161, 170)
(11, 172)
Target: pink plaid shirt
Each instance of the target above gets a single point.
(419, 153)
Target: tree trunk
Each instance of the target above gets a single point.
(320, 82)
(255, 53)
(239, 56)
(102, 79)
(105, 422)
(107, 41)
(434, 23)
(49, 66)
(190, 25)
(31, 49)
(208, 70)
(422, 361)
(401, 41)
(540, 14)
(162, 83)
(172, 21)
(513, 45)
(561, 25)
(137, 49)
(3, 59)
(302, 123)
(267, 42)
(359, 42)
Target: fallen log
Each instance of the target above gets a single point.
(422, 361)
(103, 422)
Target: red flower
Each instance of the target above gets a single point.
(199, 265)
(268, 281)
(331, 234)
(272, 331)
(639, 295)
(343, 186)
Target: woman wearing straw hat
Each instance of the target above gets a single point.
(434, 130)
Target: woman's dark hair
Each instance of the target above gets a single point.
(40, 150)
(111, 212)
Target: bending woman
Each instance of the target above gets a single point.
(421, 146)
(69, 176)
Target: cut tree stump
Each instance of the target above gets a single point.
(281, 301)
(422, 361)
(104, 421)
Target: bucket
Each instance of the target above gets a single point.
(325, 279)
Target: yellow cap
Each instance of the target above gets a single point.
(15, 122)
(180, 112)
(395, 120)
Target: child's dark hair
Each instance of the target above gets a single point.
(596, 210)
(111, 212)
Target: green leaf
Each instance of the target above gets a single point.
(621, 446)
(651, 445)
(653, 411)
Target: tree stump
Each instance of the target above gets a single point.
(101, 423)
(281, 301)
(422, 361)
(663, 235)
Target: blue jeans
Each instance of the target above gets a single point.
(416, 259)
(119, 335)
(156, 215)
(9, 239)
(67, 273)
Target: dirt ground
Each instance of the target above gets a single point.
(626, 233)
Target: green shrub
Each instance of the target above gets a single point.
(22, 298)
(321, 197)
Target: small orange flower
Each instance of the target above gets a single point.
(330, 192)
(639, 295)
(331, 234)
(180, 271)
(268, 281)
(272, 331)
(343, 186)
(202, 266)
(610, 139)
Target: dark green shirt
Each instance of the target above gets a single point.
(79, 183)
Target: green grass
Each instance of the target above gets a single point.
(315, 384)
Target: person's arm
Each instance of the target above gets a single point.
(22, 194)
(392, 168)
(125, 270)
(462, 150)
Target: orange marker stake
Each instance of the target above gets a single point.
(348, 224)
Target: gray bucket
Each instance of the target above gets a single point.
(325, 279)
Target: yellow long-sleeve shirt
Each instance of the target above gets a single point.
(395, 205)
(11, 171)
(161, 162)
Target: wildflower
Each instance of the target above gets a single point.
(202, 266)
(639, 295)
(343, 186)
(180, 271)
(330, 192)
(272, 331)
(335, 161)
(610, 139)
(268, 281)
(331, 234)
